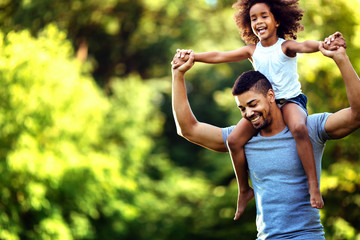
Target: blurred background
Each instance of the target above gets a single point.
(88, 145)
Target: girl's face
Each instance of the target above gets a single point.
(263, 23)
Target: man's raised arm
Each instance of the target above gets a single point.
(187, 125)
(345, 121)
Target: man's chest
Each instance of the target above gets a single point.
(273, 156)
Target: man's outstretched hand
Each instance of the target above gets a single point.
(181, 56)
(179, 65)
(334, 46)
(334, 42)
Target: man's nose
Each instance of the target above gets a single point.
(249, 113)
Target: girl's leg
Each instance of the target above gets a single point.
(295, 118)
(236, 141)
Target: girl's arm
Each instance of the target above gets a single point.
(220, 57)
(291, 47)
(223, 57)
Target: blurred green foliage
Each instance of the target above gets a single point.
(88, 146)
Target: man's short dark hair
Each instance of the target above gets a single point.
(251, 80)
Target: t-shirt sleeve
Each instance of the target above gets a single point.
(316, 127)
(226, 132)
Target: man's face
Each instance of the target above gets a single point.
(256, 108)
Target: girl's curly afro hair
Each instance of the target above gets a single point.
(286, 12)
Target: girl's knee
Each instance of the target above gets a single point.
(234, 142)
(299, 130)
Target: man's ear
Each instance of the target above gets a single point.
(270, 95)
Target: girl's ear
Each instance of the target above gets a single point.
(277, 24)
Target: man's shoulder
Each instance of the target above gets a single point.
(226, 132)
(316, 126)
(317, 118)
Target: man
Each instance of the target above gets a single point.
(279, 181)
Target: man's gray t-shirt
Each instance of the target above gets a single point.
(280, 183)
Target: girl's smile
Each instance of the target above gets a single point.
(263, 24)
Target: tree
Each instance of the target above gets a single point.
(81, 167)
(74, 163)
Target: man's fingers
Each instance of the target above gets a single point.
(323, 50)
(340, 42)
(335, 35)
(177, 63)
(178, 60)
(190, 61)
(185, 52)
(332, 48)
(338, 34)
(183, 66)
(335, 41)
(332, 37)
(180, 53)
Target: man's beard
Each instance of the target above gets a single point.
(266, 121)
(264, 124)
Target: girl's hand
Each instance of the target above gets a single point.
(337, 53)
(181, 57)
(183, 66)
(183, 52)
(334, 41)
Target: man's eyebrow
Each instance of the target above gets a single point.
(248, 103)
(251, 101)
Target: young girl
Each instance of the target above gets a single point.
(265, 24)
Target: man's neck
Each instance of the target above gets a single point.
(276, 126)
